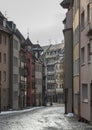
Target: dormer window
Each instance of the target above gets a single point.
(4, 22)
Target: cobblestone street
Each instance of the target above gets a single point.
(44, 118)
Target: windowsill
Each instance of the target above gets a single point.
(89, 62)
(83, 64)
(75, 75)
(85, 101)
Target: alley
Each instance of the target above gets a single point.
(44, 118)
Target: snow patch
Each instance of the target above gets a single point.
(70, 115)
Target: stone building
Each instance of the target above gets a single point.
(30, 66)
(68, 57)
(37, 50)
(59, 75)
(38, 82)
(22, 73)
(51, 54)
(4, 63)
(14, 66)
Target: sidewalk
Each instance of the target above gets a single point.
(19, 111)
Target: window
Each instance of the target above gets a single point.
(15, 78)
(15, 61)
(5, 39)
(76, 35)
(82, 55)
(0, 57)
(82, 20)
(15, 95)
(88, 13)
(76, 97)
(60, 67)
(89, 56)
(0, 38)
(4, 56)
(50, 67)
(4, 75)
(60, 77)
(60, 86)
(0, 77)
(84, 92)
(76, 67)
(16, 44)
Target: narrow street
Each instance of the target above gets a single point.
(44, 118)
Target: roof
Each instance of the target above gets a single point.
(28, 42)
(65, 3)
(57, 46)
(37, 47)
(1, 15)
(20, 35)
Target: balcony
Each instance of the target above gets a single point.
(60, 71)
(89, 18)
(51, 81)
(24, 72)
(90, 29)
(50, 72)
(22, 86)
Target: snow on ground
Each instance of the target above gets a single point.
(43, 118)
(19, 111)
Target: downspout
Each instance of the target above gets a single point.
(79, 114)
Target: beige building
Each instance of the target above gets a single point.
(82, 56)
(76, 56)
(85, 60)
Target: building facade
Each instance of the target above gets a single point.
(59, 74)
(37, 50)
(68, 57)
(14, 66)
(4, 64)
(76, 40)
(38, 83)
(82, 56)
(85, 59)
(30, 64)
(51, 54)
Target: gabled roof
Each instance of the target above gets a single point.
(28, 42)
(3, 26)
(1, 15)
(20, 35)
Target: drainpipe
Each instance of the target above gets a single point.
(79, 113)
(0, 96)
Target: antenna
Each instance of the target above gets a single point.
(55, 41)
(5, 13)
(37, 41)
(50, 41)
(27, 32)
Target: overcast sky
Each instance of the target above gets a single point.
(42, 18)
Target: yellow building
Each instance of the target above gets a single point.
(76, 56)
